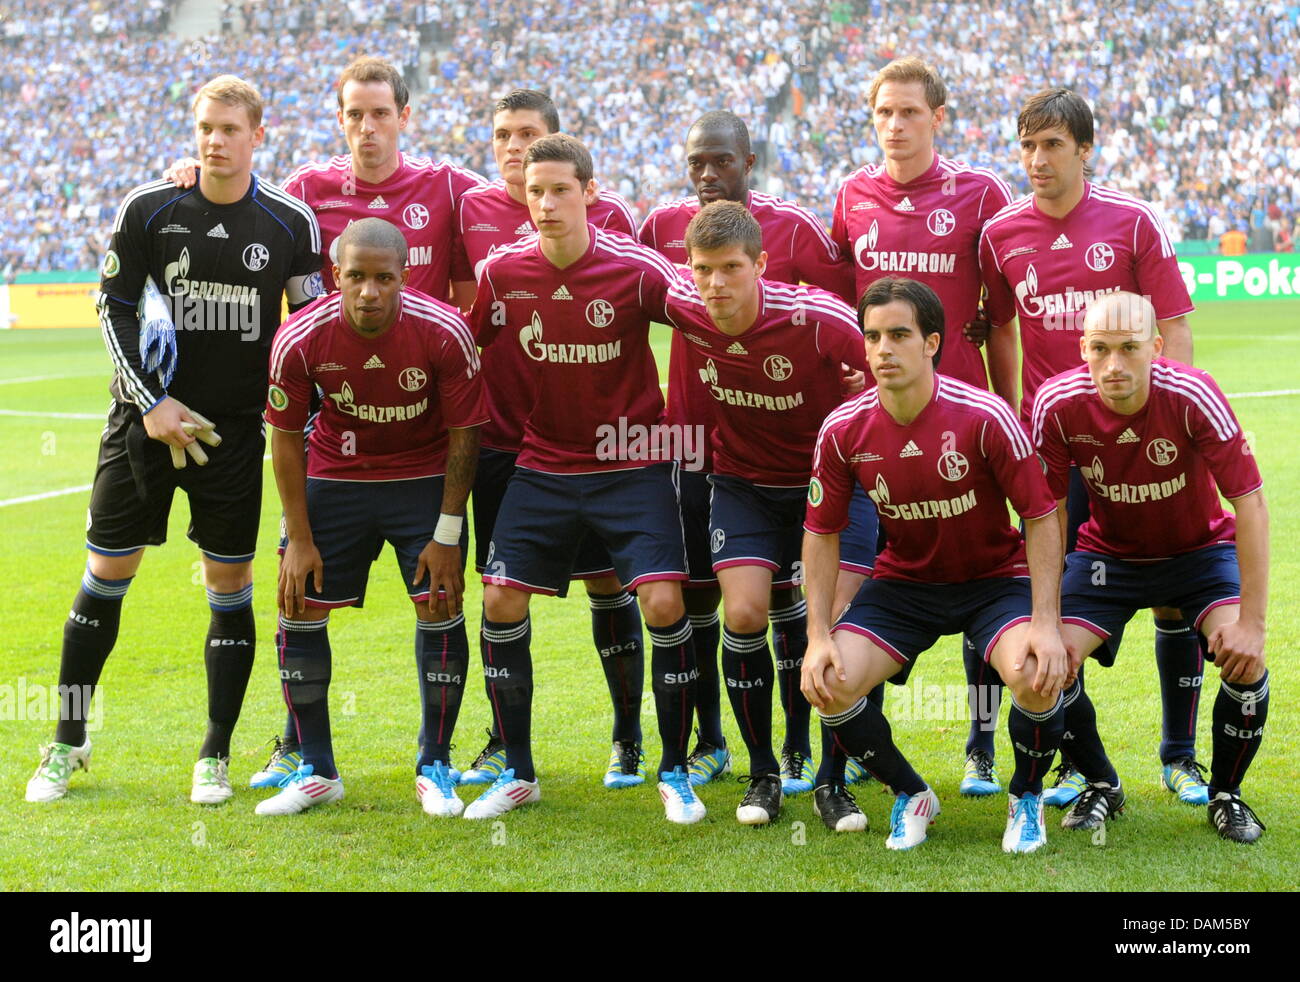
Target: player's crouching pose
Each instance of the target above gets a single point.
(403, 403)
(770, 356)
(579, 301)
(1153, 438)
(940, 459)
(223, 254)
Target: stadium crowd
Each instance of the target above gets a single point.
(1194, 113)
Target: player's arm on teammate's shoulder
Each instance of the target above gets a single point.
(183, 172)
(1177, 333)
(1238, 646)
(301, 557)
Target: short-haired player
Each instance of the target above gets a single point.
(940, 459)
(1044, 260)
(579, 301)
(771, 357)
(391, 458)
(1157, 444)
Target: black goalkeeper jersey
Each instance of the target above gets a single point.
(222, 270)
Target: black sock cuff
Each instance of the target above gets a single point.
(505, 632)
(1046, 714)
(671, 635)
(838, 719)
(1247, 692)
(610, 601)
(744, 644)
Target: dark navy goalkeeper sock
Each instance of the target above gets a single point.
(89, 634)
(508, 678)
(303, 649)
(1034, 739)
(706, 629)
(789, 642)
(616, 631)
(747, 667)
(862, 731)
(442, 660)
(228, 657)
(1081, 739)
(672, 663)
(830, 770)
(1240, 712)
(1181, 667)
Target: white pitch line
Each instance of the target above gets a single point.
(23, 412)
(1263, 395)
(46, 378)
(44, 494)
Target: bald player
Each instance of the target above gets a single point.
(1157, 443)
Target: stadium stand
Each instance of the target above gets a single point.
(1194, 113)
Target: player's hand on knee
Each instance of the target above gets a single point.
(1076, 659)
(300, 560)
(820, 656)
(1053, 662)
(183, 172)
(443, 566)
(1238, 651)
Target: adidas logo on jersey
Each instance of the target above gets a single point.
(562, 293)
(524, 229)
(378, 202)
(737, 348)
(218, 232)
(905, 205)
(373, 362)
(1062, 242)
(911, 450)
(1128, 436)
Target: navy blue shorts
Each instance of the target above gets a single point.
(634, 513)
(1102, 593)
(495, 469)
(860, 542)
(693, 490)
(752, 525)
(905, 618)
(131, 498)
(348, 519)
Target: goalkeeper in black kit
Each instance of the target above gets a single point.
(215, 261)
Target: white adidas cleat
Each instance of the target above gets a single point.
(506, 794)
(435, 789)
(911, 818)
(58, 761)
(301, 790)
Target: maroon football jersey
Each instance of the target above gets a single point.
(418, 198)
(1047, 270)
(487, 219)
(585, 331)
(926, 230)
(940, 484)
(798, 250)
(1153, 477)
(388, 401)
(773, 385)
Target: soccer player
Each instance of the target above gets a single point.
(374, 179)
(1044, 259)
(939, 458)
(718, 163)
(770, 355)
(1157, 444)
(579, 302)
(396, 435)
(487, 218)
(223, 253)
(919, 214)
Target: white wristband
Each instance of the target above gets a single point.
(447, 531)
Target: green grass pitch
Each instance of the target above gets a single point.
(128, 823)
